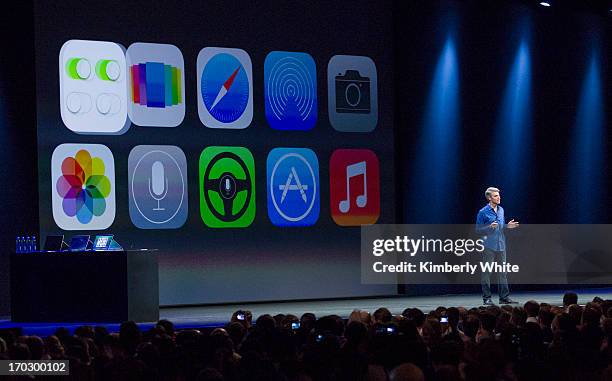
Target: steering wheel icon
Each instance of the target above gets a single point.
(227, 186)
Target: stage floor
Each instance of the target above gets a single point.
(218, 315)
(222, 313)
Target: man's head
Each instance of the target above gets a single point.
(407, 372)
(570, 298)
(492, 195)
(382, 315)
(415, 315)
(532, 308)
(487, 322)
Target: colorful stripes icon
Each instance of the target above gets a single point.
(156, 85)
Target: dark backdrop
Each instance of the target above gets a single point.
(485, 38)
(18, 134)
(560, 43)
(455, 67)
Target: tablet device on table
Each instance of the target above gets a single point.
(54, 243)
(103, 242)
(79, 243)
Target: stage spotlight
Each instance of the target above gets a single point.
(545, 4)
(587, 161)
(513, 134)
(436, 165)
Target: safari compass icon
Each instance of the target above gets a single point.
(225, 88)
(227, 187)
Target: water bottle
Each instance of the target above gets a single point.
(29, 244)
(21, 244)
(34, 248)
(16, 244)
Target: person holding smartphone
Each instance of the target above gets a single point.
(490, 224)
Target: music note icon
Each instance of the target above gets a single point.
(353, 170)
(354, 202)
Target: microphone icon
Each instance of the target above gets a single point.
(158, 183)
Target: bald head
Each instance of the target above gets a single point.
(407, 372)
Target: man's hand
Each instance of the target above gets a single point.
(494, 225)
(513, 224)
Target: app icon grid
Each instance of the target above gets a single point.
(225, 100)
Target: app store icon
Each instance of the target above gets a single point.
(293, 187)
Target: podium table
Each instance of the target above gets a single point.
(89, 286)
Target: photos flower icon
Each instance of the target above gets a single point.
(83, 186)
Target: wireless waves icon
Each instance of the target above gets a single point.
(290, 90)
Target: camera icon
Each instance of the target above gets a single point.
(352, 93)
(352, 99)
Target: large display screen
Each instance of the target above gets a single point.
(246, 142)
